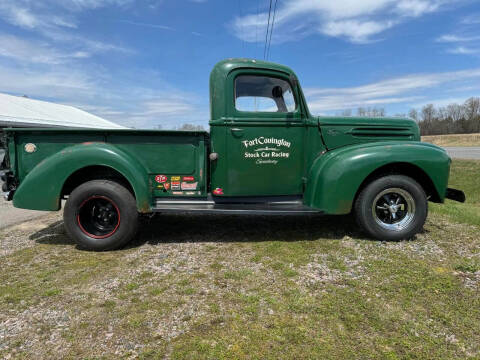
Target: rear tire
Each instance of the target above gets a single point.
(392, 208)
(101, 215)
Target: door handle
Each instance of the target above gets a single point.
(236, 132)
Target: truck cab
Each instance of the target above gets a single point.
(265, 154)
(258, 128)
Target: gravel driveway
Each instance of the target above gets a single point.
(464, 152)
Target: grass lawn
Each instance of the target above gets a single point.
(453, 140)
(464, 175)
(224, 287)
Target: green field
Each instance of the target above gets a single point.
(465, 175)
(224, 287)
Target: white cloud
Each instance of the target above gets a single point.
(26, 51)
(417, 7)
(440, 102)
(451, 38)
(90, 4)
(354, 20)
(471, 19)
(167, 105)
(463, 50)
(167, 110)
(56, 25)
(392, 91)
(356, 31)
(154, 26)
(25, 15)
(87, 44)
(62, 84)
(464, 40)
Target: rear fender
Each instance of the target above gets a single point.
(41, 188)
(335, 177)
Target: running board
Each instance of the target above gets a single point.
(211, 207)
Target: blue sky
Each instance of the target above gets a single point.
(147, 63)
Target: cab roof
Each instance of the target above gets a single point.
(224, 67)
(219, 89)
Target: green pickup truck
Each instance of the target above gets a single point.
(265, 154)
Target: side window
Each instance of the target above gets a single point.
(263, 94)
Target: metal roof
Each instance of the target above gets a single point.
(18, 111)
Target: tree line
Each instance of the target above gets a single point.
(452, 119)
(183, 127)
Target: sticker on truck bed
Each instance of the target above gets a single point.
(160, 178)
(175, 185)
(189, 186)
(266, 150)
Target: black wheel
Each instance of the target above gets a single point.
(101, 215)
(392, 208)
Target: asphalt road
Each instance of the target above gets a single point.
(464, 152)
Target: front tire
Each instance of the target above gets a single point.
(101, 215)
(392, 208)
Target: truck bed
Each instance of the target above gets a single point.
(157, 153)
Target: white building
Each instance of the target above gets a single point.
(16, 111)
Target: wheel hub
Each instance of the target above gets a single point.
(393, 209)
(98, 217)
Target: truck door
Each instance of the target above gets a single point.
(263, 148)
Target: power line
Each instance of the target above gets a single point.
(256, 28)
(243, 26)
(271, 30)
(268, 29)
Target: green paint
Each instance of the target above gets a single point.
(325, 159)
(131, 153)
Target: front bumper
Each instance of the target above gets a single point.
(454, 194)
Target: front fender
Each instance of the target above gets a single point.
(336, 176)
(41, 188)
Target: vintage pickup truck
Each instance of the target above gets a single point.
(265, 154)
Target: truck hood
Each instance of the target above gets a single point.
(342, 131)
